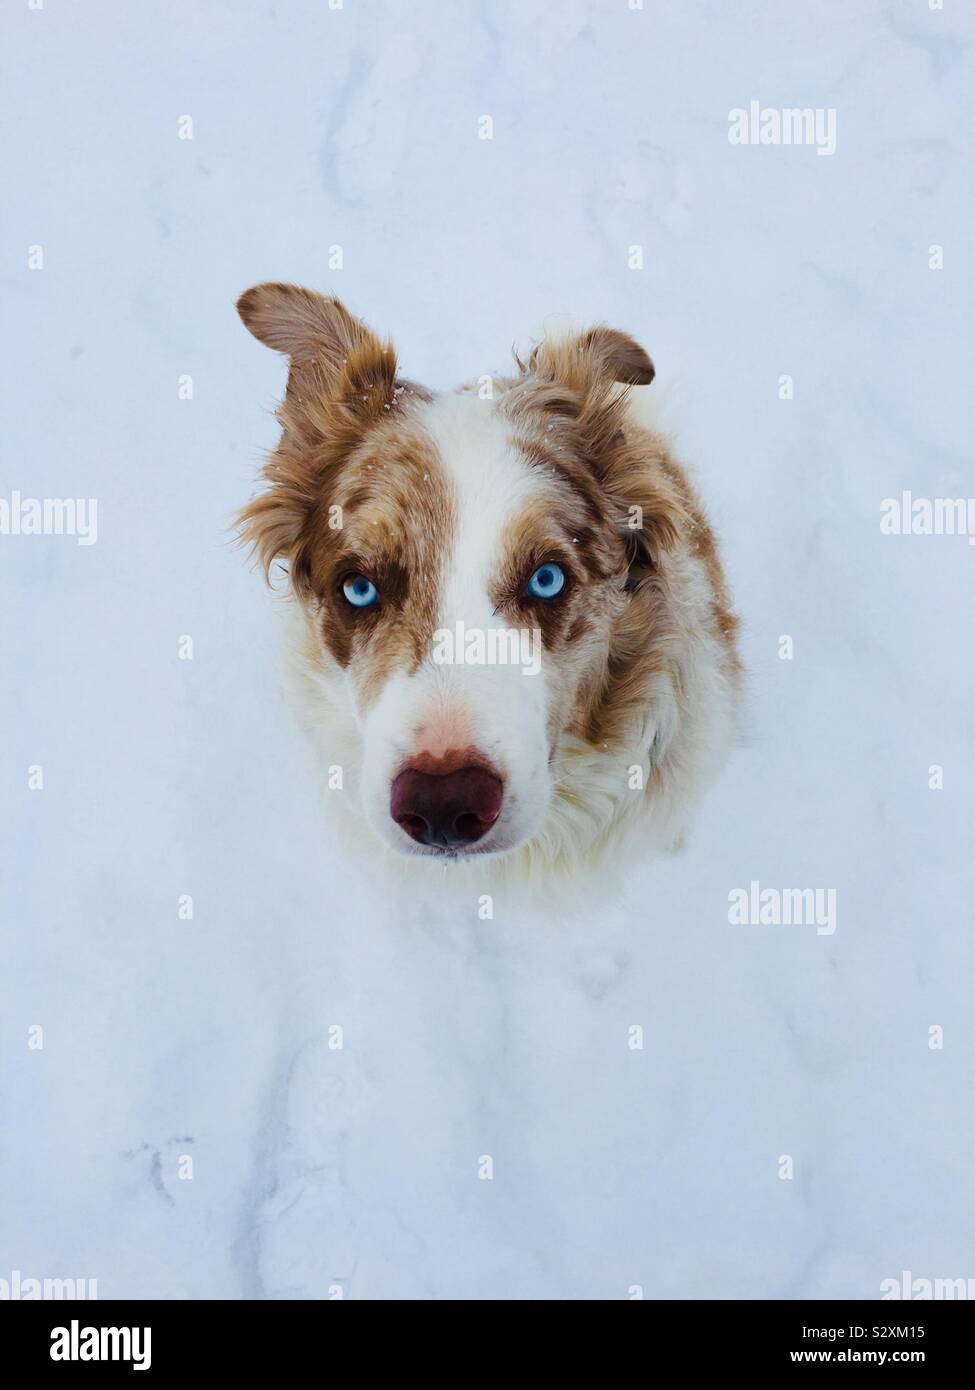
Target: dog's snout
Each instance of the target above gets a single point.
(446, 810)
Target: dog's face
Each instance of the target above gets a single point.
(471, 564)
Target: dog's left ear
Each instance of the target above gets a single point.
(579, 378)
(617, 356)
(591, 362)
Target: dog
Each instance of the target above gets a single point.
(511, 637)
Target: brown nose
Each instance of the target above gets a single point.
(446, 810)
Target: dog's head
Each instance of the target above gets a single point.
(482, 568)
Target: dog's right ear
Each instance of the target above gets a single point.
(301, 323)
(342, 376)
(342, 382)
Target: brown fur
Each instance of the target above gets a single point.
(350, 440)
(568, 405)
(342, 384)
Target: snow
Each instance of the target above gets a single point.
(320, 1170)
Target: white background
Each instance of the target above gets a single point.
(315, 1168)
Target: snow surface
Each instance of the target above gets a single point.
(314, 1168)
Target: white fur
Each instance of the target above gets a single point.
(563, 816)
(496, 709)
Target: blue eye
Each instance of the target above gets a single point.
(547, 581)
(360, 591)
